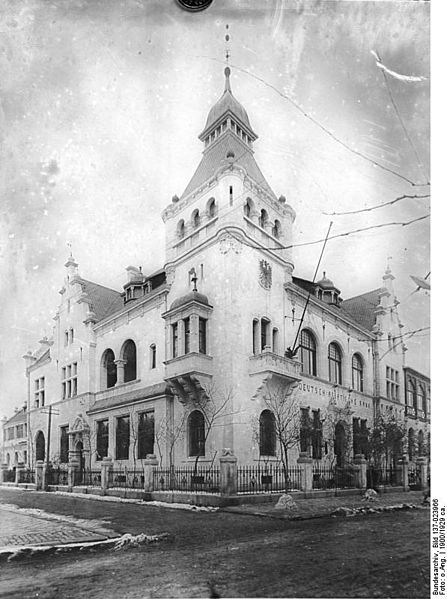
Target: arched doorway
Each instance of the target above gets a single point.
(40, 446)
(80, 455)
(340, 445)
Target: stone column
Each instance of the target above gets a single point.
(402, 472)
(19, 469)
(149, 466)
(106, 467)
(360, 471)
(304, 463)
(422, 466)
(228, 473)
(120, 371)
(3, 469)
(40, 483)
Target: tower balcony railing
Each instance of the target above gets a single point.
(410, 411)
(271, 363)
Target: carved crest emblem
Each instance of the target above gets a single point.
(265, 274)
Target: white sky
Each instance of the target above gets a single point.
(100, 107)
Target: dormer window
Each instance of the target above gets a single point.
(276, 230)
(181, 228)
(195, 219)
(263, 219)
(212, 208)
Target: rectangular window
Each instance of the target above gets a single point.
(392, 383)
(146, 434)
(186, 322)
(10, 433)
(64, 445)
(174, 340)
(356, 435)
(202, 335)
(122, 438)
(19, 431)
(39, 392)
(70, 381)
(305, 429)
(102, 439)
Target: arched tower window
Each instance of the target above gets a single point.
(196, 434)
(153, 355)
(357, 372)
(108, 366)
(334, 358)
(267, 433)
(181, 228)
(276, 230)
(308, 352)
(195, 219)
(248, 208)
(263, 218)
(212, 208)
(130, 356)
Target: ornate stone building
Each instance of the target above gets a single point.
(184, 361)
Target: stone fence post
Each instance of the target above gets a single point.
(19, 469)
(149, 466)
(73, 467)
(3, 469)
(402, 472)
(106, 467)
(40, 482)
(304, 463)
(228, 473)
(360, 471)
(422, 466)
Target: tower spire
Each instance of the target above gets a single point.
(227, 70)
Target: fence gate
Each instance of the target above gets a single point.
(414, 477)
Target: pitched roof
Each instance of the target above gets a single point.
(104, 301)
(361, 307)
(18, 418)
(216, 156)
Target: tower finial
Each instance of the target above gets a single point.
(227, 70)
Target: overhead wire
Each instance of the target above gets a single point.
(322, 127)
(377, 206)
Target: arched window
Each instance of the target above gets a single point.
(308, 352)
(153, 355)
(276, 230)
(265, 333)
(357, 372)
(411, 444)
(195, 218)
(421, 449)
(212, 208)
(181, 228)
(40, 446)
(256, 336)
(275, 341)
(130, 357)
(267, 433)
(248, 208)
(263, 218)
(196, 434)
(334, 357)
(108, 375)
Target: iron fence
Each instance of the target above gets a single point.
(381, 475)
(414, 477)
(269, 478)
(57, 476)
(128, 479)
(189, 479)
(87, 478)
(27, 476)
(9, 476)
(330, 476)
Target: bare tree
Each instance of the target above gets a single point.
(288, 425)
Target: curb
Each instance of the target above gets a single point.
(125, 541)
